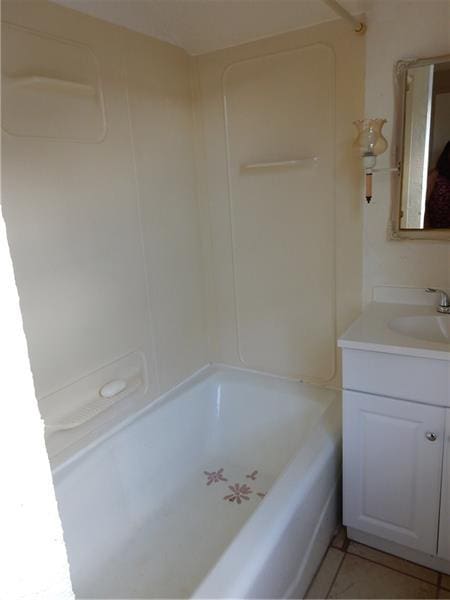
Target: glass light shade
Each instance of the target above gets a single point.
(370, 140)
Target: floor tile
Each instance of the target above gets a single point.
(359, 578)
(394, 562)
(445, 583)
(444, 594)
(323, 579)
(340, 538)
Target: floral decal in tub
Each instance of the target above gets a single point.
(239, 491)
(214, 476)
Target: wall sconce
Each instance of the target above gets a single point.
(370, 143)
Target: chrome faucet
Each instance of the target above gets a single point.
(444, 304)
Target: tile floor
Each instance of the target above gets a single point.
(351, 570)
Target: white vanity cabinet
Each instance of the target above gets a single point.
(444, 536)
(396, 432)
(393, 468)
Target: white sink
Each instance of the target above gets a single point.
(432, 328)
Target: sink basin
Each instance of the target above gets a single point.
(432, 328)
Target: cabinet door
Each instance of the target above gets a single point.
(444, 529)
(393, 468)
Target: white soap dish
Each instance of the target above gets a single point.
(109, 394)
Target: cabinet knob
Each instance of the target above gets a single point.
(431, 437)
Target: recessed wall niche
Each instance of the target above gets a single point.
(51, 88)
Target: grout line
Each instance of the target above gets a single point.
(344, 550)
(335, 575)
(393, 556)
(440, 588)
(319, 567)
(397, 570)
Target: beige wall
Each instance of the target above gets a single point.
(399, 30)
(235, 280)
(104, 229)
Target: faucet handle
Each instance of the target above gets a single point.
(445, 300)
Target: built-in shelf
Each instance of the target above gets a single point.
(297, 162)
(51, 83)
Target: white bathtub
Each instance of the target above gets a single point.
(148, 511)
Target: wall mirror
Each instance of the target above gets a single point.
(421, 207)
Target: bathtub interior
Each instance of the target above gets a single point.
(149, 510)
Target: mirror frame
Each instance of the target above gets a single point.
(396, 233)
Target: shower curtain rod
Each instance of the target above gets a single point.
(358, 26)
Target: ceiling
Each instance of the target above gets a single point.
(201, 26)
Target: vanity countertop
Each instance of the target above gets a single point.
(372, 331)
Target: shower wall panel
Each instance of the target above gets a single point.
(282, 193)
(279, 109)
(103, 225)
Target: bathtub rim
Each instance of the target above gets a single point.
(72, 453)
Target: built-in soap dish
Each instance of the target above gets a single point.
(110, 393)
(68, 411)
